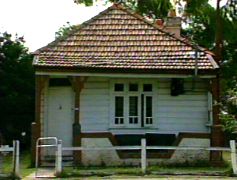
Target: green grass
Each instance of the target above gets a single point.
(227, 157)
(25, 168)
(136, 171)
(198, 169)
(100, 171)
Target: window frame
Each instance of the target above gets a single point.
(126, 94)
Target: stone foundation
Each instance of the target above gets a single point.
(111, 157)
(99, 157)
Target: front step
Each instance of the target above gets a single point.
(49, 161)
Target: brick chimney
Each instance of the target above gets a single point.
(160, 23)
(172, 23)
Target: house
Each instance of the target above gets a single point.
(118, 78)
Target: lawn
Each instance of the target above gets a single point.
(25, 168)
(136, 171)
(104, 171)
(201, 169)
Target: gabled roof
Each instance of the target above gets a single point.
(117, 38)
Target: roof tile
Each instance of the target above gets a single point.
(118, 38)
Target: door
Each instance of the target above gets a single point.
(60, 114)
(141, 107)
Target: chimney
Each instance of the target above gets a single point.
(173, 24)
(160, 23)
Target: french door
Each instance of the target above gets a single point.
(140, 110)
(133, 105)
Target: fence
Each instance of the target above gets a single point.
(15, 150)
(143, 148)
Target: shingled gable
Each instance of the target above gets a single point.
(119, 39)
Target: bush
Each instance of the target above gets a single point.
(229, 125)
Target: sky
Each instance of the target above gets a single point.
(38, 20)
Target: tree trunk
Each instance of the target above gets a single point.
(219, 34)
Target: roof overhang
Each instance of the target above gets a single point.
(125, 73)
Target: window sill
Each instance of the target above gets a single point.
(126, 127)
(208, 125)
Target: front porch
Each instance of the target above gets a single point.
(95, 119)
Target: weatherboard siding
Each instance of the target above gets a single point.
(94, 105)
(183, 113)
(172, 114)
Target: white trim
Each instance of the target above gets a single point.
(121, 75)
(210, 109)
(126, 94)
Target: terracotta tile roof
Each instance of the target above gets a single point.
(119, 38)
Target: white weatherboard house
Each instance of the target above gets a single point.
(118, 78)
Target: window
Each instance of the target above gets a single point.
(133, 110)
(148, 110)
(147, 87)
(133, 87)
(132, 104)
(118, 87)
(119, 110)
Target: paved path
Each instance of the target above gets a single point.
(42, 173)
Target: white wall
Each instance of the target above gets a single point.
(173, 114)
(183, 113)
(94, 112)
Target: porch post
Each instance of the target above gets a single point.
(217, 139)
(40, 82)
(77, 84)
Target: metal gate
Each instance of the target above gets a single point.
(45, 143)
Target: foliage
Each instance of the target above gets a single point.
(64, 31)
(203, 29)
(154, 8)
(230, 9)
(229, 125)
(151, 8)
(16, 89)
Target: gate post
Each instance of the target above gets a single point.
(16, 165)
(233, 156)
(58, 161)
(143, 155)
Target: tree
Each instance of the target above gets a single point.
(64, 31)
(16, 89)
(151, 8)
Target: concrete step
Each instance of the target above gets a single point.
(49, 161)
(52, 164)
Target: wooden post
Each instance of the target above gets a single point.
(217, 139)
(143, 156)
(233, 156)
(16, 169)
(40, 82)
(34, 136)
(59, 158)
(77, 85)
